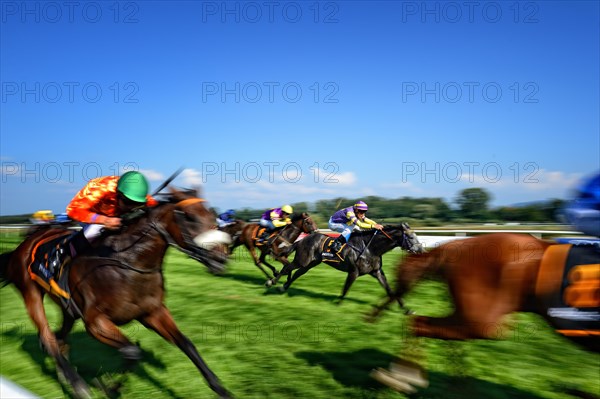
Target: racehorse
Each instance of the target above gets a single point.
(362, 255)
(235, 231)
(120, 279)
(284, 237)
(492, 275)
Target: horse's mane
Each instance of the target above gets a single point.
(370, 232)
(136, 222)
(298, 216)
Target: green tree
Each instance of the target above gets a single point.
(473, 203)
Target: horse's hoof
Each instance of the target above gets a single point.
(386, 378)
(269, 283)
(131, 352)
(409, 312)
(81, 391)
(282, 289)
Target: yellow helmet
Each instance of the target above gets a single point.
(287, 209)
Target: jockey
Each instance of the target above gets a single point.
(348, 219)
(98, 206)
(274, 219)
(226, 218)
(584, 211)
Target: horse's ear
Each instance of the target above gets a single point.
(197, 190)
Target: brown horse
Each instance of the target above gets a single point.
(362, 255)
(120, 279)
(492, 275)
(284, 237)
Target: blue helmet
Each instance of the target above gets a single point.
(584, 211)
(230, 212)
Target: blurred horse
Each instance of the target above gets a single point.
(274, 245)
(360, 256)
(121, 279)
(492, 275)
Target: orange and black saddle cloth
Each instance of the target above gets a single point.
(568, 284)
(39, 269)
(328, 254)
(258, 232)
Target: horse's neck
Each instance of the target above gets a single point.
(291, 232)
(142, 244)
(381, 244)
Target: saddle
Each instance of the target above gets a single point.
(568, 284)
(54, 282)
(328, 254)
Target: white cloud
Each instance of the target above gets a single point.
(191, 177)
(152, 175)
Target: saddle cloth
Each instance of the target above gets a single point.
(258, 232)
(327, 252)
(568, 284)
(39, 266)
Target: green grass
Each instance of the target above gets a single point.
(264, 344)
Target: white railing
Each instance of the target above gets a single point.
(434, 237)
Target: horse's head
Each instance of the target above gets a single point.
(191, 229)
(304, 222)
(405, 237)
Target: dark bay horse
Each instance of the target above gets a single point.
(361, 256)
(121, 279)
(493, 275)
(284, 237)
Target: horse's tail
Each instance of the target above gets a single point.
(4, 262)
(409, 271)
(414, 268)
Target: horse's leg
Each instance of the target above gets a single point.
(65, 329)
(257, 262)
(286, 270)
(299, 273)
(263, 260)
(380, 276)
(371, 317)
(352, 276)
(99, 326)
(451, 327)
(162, 322)
(35, 308)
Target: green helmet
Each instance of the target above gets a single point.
(134, 186)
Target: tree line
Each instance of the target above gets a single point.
(472, 205)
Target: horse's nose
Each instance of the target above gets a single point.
(211, 238)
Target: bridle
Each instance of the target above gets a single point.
(180, 221)
(402, 241)
(304, 223)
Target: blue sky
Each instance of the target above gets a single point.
(266, 103)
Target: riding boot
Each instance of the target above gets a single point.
(263, 237)
(337, 244)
